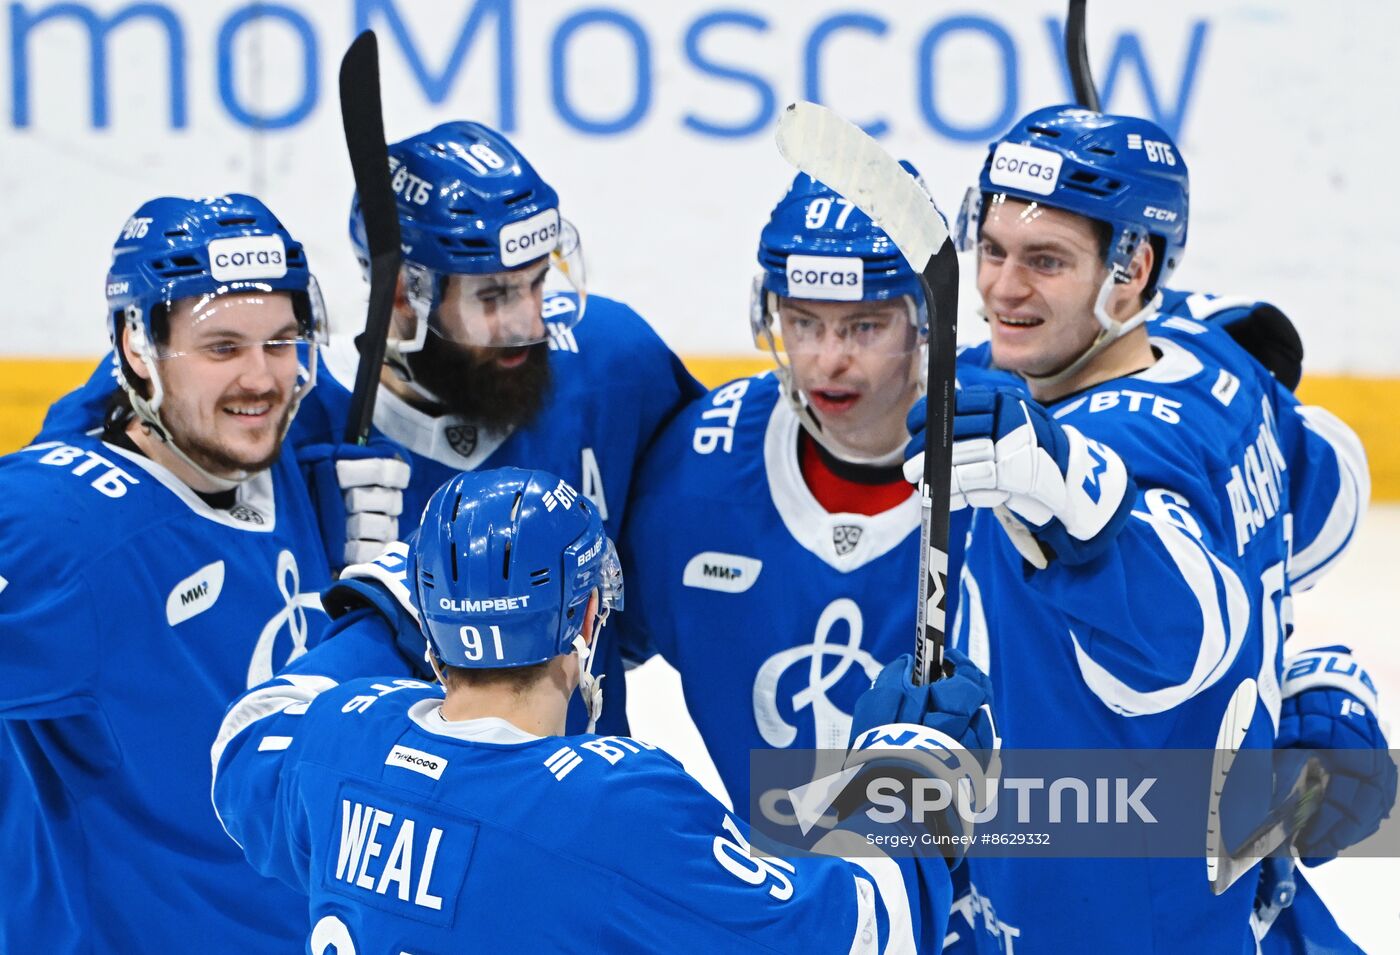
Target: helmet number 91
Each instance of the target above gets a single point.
(472, 642)
(819, 210)
(482, 158)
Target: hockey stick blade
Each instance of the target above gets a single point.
(1282, 824)
(1086, 94)
(839, 154)
(363, 118)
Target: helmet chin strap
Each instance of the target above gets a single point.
(589, 685)
(1109, 332)
(398, 364)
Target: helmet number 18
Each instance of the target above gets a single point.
(482, 158)
(471, 640)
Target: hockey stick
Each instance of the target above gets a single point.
(1086, 94)
(369, 158)
(1279, 828)
(1280, 824)
(840, 155)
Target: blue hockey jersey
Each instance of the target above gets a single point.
(614, 383)
(1142, 647)
(131, 613)
(412, 833)
(776, 613)
(1328, 478)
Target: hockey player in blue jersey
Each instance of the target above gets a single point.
(497, 355)
(784, 501)
(414, 817)
(488, 363)
(1144, 540)
(149, 573)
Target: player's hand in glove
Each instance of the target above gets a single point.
(1072, 493)
(1270, 338)
(908, 734)
(958, 705)
(358, 495)
(385, 587)
(1329, 711)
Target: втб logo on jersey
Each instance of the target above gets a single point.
(727, 573)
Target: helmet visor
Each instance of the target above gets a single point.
(245, 322)
(494, 309)
(806, 327)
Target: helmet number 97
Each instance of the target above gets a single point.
(472, 643)
(482, 158)
(819, 209)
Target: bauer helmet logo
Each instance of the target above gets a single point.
(247, 257)
(836, 278)
(529, 238)
(1025, 168)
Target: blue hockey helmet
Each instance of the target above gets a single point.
(203, 249)
(819, 245)
(1121, 170)
(506, 562)
(173, 248)
(470, 204)
(860, 263)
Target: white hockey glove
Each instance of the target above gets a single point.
(358, 493)
(1071, 493)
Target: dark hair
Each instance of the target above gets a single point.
(519, 679)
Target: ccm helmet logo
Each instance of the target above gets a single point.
(1025, 168)
(836, 278)
(247, 257)
(1161, 215)
(530, 238)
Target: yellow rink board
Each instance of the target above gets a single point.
(29, 385)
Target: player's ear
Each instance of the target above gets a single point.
(589, 615)
(1130, 296)
(1140, 268)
